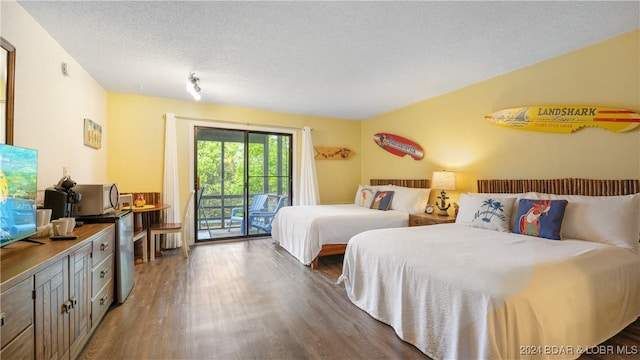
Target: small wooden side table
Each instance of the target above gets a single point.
(422, 219)
(144, 222)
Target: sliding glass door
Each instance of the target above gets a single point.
(243, 179)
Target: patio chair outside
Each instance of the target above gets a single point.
(262, 220)
(258, 203)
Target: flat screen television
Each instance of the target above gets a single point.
(18, 189)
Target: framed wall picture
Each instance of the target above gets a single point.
(92, 134)
(7, 68)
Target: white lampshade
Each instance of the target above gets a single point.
(444, 180)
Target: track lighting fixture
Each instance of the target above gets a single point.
(192, 86)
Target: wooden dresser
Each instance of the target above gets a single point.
(53, 296)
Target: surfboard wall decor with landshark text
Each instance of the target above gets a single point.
(565, 119)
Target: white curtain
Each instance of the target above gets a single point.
(309, 194)
(170, 188)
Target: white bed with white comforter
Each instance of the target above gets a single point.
(308, 232)
(528, 275)
(458, 292)
(303, 230)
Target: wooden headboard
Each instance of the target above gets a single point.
(569, 186)
(412, 183)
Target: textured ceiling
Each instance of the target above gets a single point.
(350, 60)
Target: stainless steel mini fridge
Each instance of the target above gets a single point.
(124, 261)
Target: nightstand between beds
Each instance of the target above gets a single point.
(422, 219)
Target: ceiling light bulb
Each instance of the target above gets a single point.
(193, 92)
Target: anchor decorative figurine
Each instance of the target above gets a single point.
(443, 206)
(444, 180)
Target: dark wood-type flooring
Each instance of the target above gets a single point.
(251, 300)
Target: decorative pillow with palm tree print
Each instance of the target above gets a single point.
(492, 213)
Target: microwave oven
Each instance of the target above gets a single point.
(96, 199)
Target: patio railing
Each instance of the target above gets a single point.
(214, 210)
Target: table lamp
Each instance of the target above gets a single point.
(444, 180)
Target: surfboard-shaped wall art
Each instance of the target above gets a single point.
(397, 145)
(333, 153)
(565, 119)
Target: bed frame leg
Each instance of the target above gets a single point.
(314, 263)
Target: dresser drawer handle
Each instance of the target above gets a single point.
(67, 306)
(2, 316)
(104, 246)
(104, 299)
(104, 273)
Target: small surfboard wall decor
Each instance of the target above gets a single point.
(333, 153)
(397, 145)
(565, 119)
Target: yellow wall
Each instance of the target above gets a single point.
(50, 108)
(452, 130)
(136, 142)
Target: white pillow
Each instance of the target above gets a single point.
(613, 220)
(470, 205)
(410, 200)
(364, 195)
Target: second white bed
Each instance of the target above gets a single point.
(303, 230)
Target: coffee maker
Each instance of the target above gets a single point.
(61, 198)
